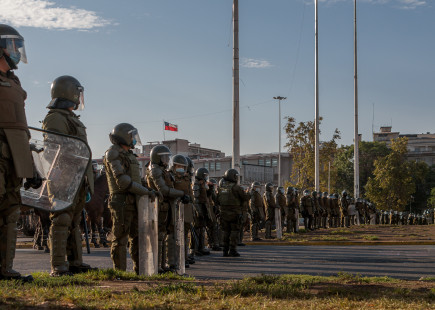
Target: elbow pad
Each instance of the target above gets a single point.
(123, 181)
(138, 189)
(175, 193)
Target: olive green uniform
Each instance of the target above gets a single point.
(269, 203)
(183, 183)
(256, 207)
(281, 206)
(325, 211)
(290, 213)
(306, 206)
(161, 180)
(122, 169)
(344, 217)
(65, 234)
(15, 164)
(231, 197)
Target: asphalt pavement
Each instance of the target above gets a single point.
(405, 262)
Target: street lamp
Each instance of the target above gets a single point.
(279, 98)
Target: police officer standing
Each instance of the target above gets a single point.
(231, 197)
(65, 234)
(15, 157)
(161, 180)
(306, 207)
(125, 185)
(269, 203)
(290, 210)
(256, 209)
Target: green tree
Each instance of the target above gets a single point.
(368, 153)
(300, 144)
(392, 183)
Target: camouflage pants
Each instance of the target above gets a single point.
(124, 229)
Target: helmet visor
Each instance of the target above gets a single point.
(135, 139)
(81, 105)
(165, 157)
(15, 47)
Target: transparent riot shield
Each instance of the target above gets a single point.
(179, 239)
(148, 236)
(278, 224)
(62, 161)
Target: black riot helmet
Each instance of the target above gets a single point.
(231, 175)
(180, 161)
(314, 194)
(201, 174)
(160, 155)
(125, 134)
(269, 187)
(306, 192)
(67, 92)
(325, 194)
(255, 185)
(290, 190)
(344, 193)
(13, 43)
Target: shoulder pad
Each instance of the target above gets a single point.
(112, 153)
(55, 121)
(156, 171)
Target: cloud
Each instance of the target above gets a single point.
(255, 63)
(401, 4)
(46, 14)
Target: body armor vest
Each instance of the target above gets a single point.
(269, 200)
(202, 189)
(12, 96)
(131, 166)
(226, 195)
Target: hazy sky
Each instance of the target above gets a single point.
(145, 61)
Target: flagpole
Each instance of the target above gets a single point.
(356, 137)
(236, 128)
(316, 104)
(164, 134)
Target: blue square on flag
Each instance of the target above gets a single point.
(171, 127)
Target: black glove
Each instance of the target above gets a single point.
(185, 199)
(34, 182)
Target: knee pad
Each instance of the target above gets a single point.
(63, 219)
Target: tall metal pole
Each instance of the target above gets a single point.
(329, 178)
(356, 138)
(236, 128)
(279, 98)
(316, 96)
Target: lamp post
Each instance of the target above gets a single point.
(279, 98)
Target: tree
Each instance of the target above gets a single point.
(392, 183)
(368, 153)
(301, 140)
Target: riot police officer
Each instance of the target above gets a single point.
(306, 206)
(125, 184)
(290, 210)
(256, 208)
(231, 197)
(344, 205)
(65, 235)
(326, 209)
(269, 204)
(15, 157)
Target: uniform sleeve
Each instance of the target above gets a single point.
(241, 193)
(114, 162)
(160, 184)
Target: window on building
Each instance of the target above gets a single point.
(244, 162)
(268, 162)
(218, 166)
(274, 162)
(206, 165)
(261, 162)
(211, 166)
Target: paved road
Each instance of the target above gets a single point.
(405, 262)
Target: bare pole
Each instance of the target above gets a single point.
(356, 138)
(316, 96)
(279, 98)
(329, 178)
(236, 128)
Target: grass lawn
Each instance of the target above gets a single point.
(107, 289)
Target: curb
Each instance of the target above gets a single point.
(343, 243)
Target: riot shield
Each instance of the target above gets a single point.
(148, 236)
(179, 239)
(62, 161)
(278, 224)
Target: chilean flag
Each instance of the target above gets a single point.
(171, 127)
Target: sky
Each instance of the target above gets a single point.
(145, 61)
